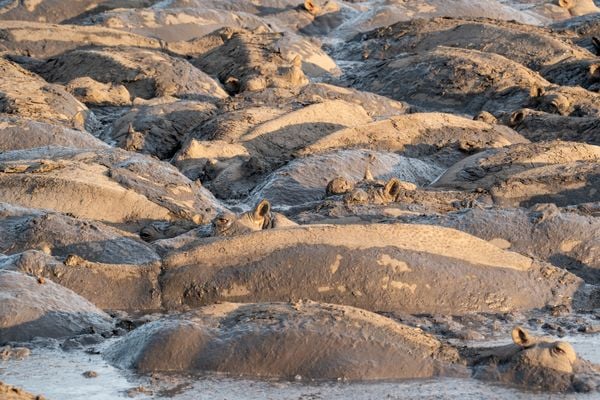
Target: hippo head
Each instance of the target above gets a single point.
(579, 7)
(339, 186)
(230, 224)
(536, 363)
(378, 193)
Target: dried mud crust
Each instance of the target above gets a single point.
(8, 392)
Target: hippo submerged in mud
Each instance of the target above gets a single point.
(315, 341)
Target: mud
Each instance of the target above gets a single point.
(299, 199)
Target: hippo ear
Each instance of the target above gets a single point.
(262, 210)
(521, 337)
(566, 3)
(311, 7)
(392, 187)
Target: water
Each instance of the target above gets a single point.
(57, 374)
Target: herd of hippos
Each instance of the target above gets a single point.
(284, 181)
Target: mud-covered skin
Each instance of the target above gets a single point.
(579, 7)
(124, 286)
(128, 189)
(61, 235)
(439, 137)
(450, 79)
(279, 340)
(526, 174)
(230, 224)
(145, 73)
(159, 129)
(34, 307)
(538, 126)
(536, 363)
(563, 237)
(17, 133)
(27, 95)
(539, 47)
(375, 267)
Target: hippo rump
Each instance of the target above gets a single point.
(35, 307)
(403, 268)
(283, 340)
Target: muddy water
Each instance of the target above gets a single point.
(58, 375)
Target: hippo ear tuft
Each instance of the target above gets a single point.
(263, 209)
(392, 187)
(311, 7)
(521, 337)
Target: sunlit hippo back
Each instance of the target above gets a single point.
(230, 224)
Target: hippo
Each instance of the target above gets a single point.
(158, 128)
(579, 7)
(260, 218)
(45, 40)
(540, 47)
(304, 180)
(378, 267)
(564, 237)
(287, 341)
(480, 81)
(370, 192)
(246, 62)
(17, 133)
(27, 95)
(536, 363)
(130, 287)
(301, 340)
(145, 73)
(540, 126)
(37, 307)
(110, 185)
(439, 137)
(60, 235)
(485, 169)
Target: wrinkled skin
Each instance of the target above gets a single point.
(532, 362)
(230, 224)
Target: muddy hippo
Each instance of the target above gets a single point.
(375, 267)
(449, 79)
(43, 40)
(37, 307)
(484, 169)
(230, 224)
(536, 363)
(565, 238)
(27, 95)
(109, 185)
(145, 73)
(18, 133)
(158, 129)
(538, 125)
(442, 138)
(539, 47)
(370, 192)
(248, 62)
(304, 180)
(579, 7)
(303, 340)
(61, 235)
